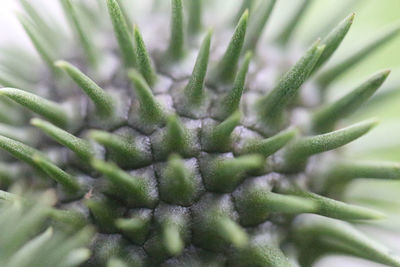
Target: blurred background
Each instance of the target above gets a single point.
(383, 143)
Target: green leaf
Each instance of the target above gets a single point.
(324, 119)
(122, 33)
(102, 101)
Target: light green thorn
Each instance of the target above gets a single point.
(257, 23)
(115, 142)
(88, 47)
(40, 46)
(344, 171)
(220, 136)
(131, 225)
(333, 40)
(231, 232)
(231, 101)
(24, 255)
(246, 5)
(268, 146)
(178, 176)
(149, 108)
(69, 182)
(134, 186)
(176, 138)
(122, 34)
(48, 109)
(194, 89)
(324, 119)
(172, 239)
(143, 59)
(103, 102)
(293, 23)
(124, 11)
(226, 68)
(274, 202)
(343, 236)
(195, 17)
(273, 104)
(45, 30)
(296, 155)
(339, 210)
(114, 262)
(79, 146)
(332, 73)
(176, 42)
(225, 174)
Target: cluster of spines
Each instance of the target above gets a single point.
(220, 175)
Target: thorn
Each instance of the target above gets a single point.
(297, 153)
(257, 24)
(195, 17)
(223, 175)
(332, 73)
(255, 205)
(103, 102)
(79, 146)
(333, 40)
(272, 105)
(122, 33)
(269, 146)
(194, 89)
(325, 118)
(124, 150)
(176, 44)
(69, 182)
(177, 183)
(219, 137)
(143, 59)
(130, 185)
(46, 108)
(149, 108)
(172, 239)
(227, 66)
(88, 47)
(231, 101)
(294, 21)
(231, 232)
(343, 236)
(176, 136)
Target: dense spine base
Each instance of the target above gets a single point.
(199, 167)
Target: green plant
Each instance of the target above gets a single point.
(193, 167)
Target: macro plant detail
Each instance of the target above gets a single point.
(176, 153)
